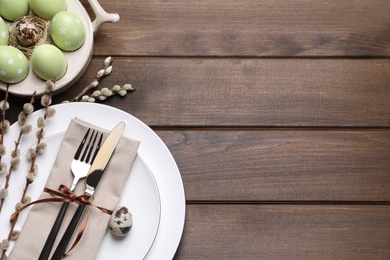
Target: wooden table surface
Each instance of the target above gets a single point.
(276, 112)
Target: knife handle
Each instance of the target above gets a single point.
(53, 232)
(61, 248)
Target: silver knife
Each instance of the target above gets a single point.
(94, 175)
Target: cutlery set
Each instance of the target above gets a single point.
(90, 161)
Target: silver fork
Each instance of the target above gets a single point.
(82, 161)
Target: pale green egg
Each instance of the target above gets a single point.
(67, 31)
(13, 65)
(13, 9)
(48, 62)
(4, 33)
(46, 9)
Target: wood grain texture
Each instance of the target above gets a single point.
(282, 165)
(254, 28)
(250, 92)
(285, 232)
(276, 112)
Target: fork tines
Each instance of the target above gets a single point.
(89, 147)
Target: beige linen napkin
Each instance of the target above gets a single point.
(107, 195)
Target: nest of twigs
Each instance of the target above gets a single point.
(28, 32)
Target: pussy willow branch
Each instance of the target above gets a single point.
(14, 154)
(104, 72)
(28, 183)
(3, 117)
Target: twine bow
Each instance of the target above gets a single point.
(65, 194)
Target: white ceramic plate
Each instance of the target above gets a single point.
(77, 60)
(154, 153)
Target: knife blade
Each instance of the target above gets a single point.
(91, 182)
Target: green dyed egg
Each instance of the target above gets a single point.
(4, 33)
(67, 31)
(46, 9)
(48, 62)
(13, 65)
(13, 9)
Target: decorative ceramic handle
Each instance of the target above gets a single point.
(101, 15)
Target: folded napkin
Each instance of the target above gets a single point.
(108, 193)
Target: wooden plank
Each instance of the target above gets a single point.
(254, 28)
(285, 232)
(282, 165)
(250, 92)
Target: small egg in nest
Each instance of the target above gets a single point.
(27, 33)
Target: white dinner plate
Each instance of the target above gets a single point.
(156, 158)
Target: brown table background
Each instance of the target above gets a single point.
(277, 113)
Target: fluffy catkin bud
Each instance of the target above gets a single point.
(30, 178)
(41, 123)
(3, 193)
(3, 150)
(100, 73)
(6, 124)
(51, 112)
(41, 148)
(22, 117)
(122, 92)
(85, 98)
(116, 88)
(26, 200)
(4, 244)
(15, 162)
(26, 129)
(15, 234)
(28, 108)
(108, 71)
(3, 168)
(106, 92)
(46, 100)
(95, 83)
(4, 105)
(96, 93)
(31, 153)
(127, 87)
(18, 205)
(50, 86)
(107, 61)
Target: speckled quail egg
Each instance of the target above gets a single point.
(13, 9)
(67, 31)
(13, 65)
(121, 221)
(26, 33)
(46, 9)
(48, 62)
(4, 33)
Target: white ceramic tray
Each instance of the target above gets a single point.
(77, 60)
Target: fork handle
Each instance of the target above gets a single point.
(61, 248)
(53, 232)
